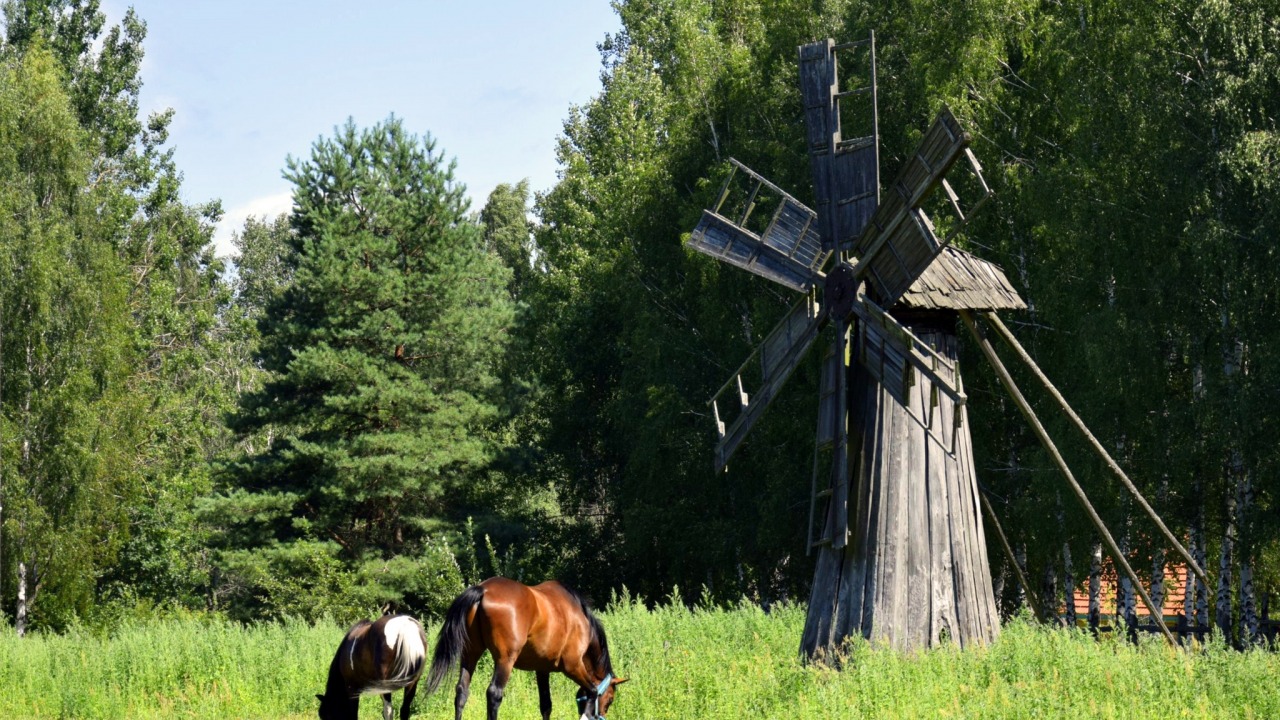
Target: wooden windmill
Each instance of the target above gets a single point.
(902, 551)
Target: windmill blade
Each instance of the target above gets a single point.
(785, 246)
(777, 357)
(901, 240)
(893, 355)
(846, 172)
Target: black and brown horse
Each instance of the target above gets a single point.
(546, 628)
(375, 657)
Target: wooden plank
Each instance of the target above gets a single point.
(818, 636)
(864, 424)
(871, 570)
(942, 584)
(890, 552)
(840, 459)
(919, 560)
(974, 564)
(826, 398)
(964, 599)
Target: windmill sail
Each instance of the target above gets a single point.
(901, 240)
(846, 172)
(776, 358)
(787, 250)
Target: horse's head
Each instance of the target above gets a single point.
(330, 708)
(594, 702)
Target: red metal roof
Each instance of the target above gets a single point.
(1175, 583)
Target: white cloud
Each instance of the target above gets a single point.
(268, 206)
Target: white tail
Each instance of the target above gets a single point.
(408, 643)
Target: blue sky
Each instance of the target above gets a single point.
(255, 82)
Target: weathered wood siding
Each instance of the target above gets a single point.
(915, 569)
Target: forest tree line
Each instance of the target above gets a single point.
(388, 394)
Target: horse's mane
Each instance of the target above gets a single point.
(597, 630)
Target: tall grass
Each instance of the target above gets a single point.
(707, 663)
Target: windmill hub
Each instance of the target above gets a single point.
(840, 291)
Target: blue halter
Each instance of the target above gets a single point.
(583, 698)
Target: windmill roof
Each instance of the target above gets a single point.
(956, 280)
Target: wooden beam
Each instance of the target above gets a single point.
(1007, 380)
(1012, 342)
(1037, 608)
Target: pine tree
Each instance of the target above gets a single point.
(382, 352)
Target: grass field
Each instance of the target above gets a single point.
(707, 664)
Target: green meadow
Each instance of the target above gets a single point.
(704, 663)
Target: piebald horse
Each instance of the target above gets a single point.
(546, 628)
(375, 657)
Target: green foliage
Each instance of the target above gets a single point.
(137, 261)
(382, 351)
(63, 340)
(725, 663)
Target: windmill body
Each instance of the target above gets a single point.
(895, 510)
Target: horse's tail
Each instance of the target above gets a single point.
(453, 636)
(410, 647)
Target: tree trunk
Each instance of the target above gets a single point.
(1222, 606)
(1049, 591)
(1200, 618)
(1189, 588)
(1158, 558)
(997, 585)
(1125, 593)
(1095, 588)
(1020, 556)
(20, 621)
(1069, 586)
(1068, 580)
(1248, 598)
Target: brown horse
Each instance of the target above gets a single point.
(375, 657)
(547, 628)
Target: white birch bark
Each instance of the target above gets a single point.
(1201, 616)
(1068, 580)
(1020, 556)
(1223, 601)
(1049, 591)
(1189, 587)
(1069, 586)
(1158, 558)
(1095, 587)
(997, 585)
(1248, 598)
(20, 620)
(1125, 606)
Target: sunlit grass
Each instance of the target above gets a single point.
(706, 663)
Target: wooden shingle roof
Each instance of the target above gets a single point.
(956, 280)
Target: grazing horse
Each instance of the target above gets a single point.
(546, 628)
(375, 657)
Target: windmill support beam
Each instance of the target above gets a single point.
(1032, 596)
(1110, 462)
(1038, 428)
